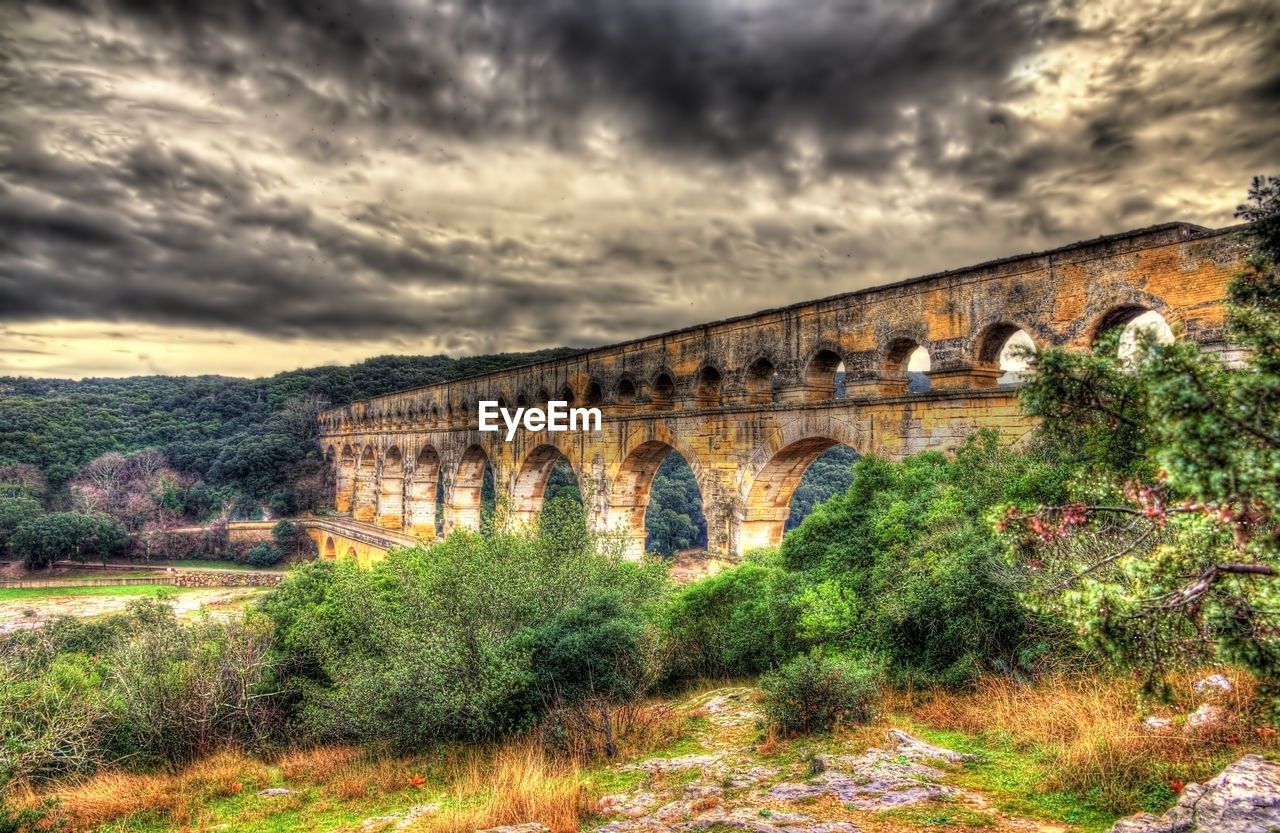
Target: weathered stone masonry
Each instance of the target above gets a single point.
(750, 401)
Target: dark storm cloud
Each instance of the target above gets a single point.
(107, 213)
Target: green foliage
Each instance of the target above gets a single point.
(904, 566)
(591, 652)
(13, 512)
(814, 693)
(264, 554)
(247, 442)
(142, 687)
(435, 643)
(1170, 549)
(78, 535)
(674, 521)
(738, 622)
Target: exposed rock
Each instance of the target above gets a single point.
(904, 744)
(1204, 717)
(878, 779)
(1157, 724)
(1243, 798)
(276, 791)
(1213, 684)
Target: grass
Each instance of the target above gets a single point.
(1073, 749)
(337, 787)
(8, 594)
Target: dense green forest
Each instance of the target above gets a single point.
(238, 444)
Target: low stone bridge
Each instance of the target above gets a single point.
(751, 401)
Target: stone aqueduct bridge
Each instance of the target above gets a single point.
(751, 401)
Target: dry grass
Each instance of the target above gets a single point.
(177, 797)
(516, 784)
(1089, 730)
(477, 786)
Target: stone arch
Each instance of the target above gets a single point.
(346, 479)
(522, 400)
(760, 382)
(530, 485)
(1129, 318)
(566, 394)
(351, 553)
(663, 391)
(998, 347)
(903, 356)
(435, 415)
(708, 385)
(468, 483)
(542, 398)
(391, 490)
(424, 492)
(330, 548)
(820, 374)
(594, 395)
(365, 505)
(775, 470)
(628, 498)
(627, 391)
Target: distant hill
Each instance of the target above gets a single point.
(245, 441)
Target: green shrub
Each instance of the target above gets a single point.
(906, 567)
(812, 693)
(264, 554)
(438, 643)
(733, 624)
(44, 539)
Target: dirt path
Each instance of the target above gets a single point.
(735, 782)
(19, 614)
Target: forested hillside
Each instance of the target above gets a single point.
(237, 443)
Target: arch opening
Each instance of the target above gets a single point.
(1009, 348)
(330, 548)
(761, 383)
(543, 397)
(473, 491)
(909, 360)
(351, 553)
(664, 392)
(424, 488)
(824, 376)
(706, 391)
(391, 490)
(566, 395)
(365, 506)
(1133, 328)
(594, 395)
(657, 501)
(522, 401)
(793, 481)
(626, 392)
(545, 474)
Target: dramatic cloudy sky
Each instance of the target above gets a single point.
(244, 186)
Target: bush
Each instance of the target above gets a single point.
(733, 624)
(438, 643)
(812, 693)
(264, 554)
(906, 567)
(44, 539)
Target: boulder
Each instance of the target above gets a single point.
(1243, 798)
(1212, 684)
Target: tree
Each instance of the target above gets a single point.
(44, 539)
(13, 512)
(1169, 550)
(589, 657)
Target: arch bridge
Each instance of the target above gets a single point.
(751, 401)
